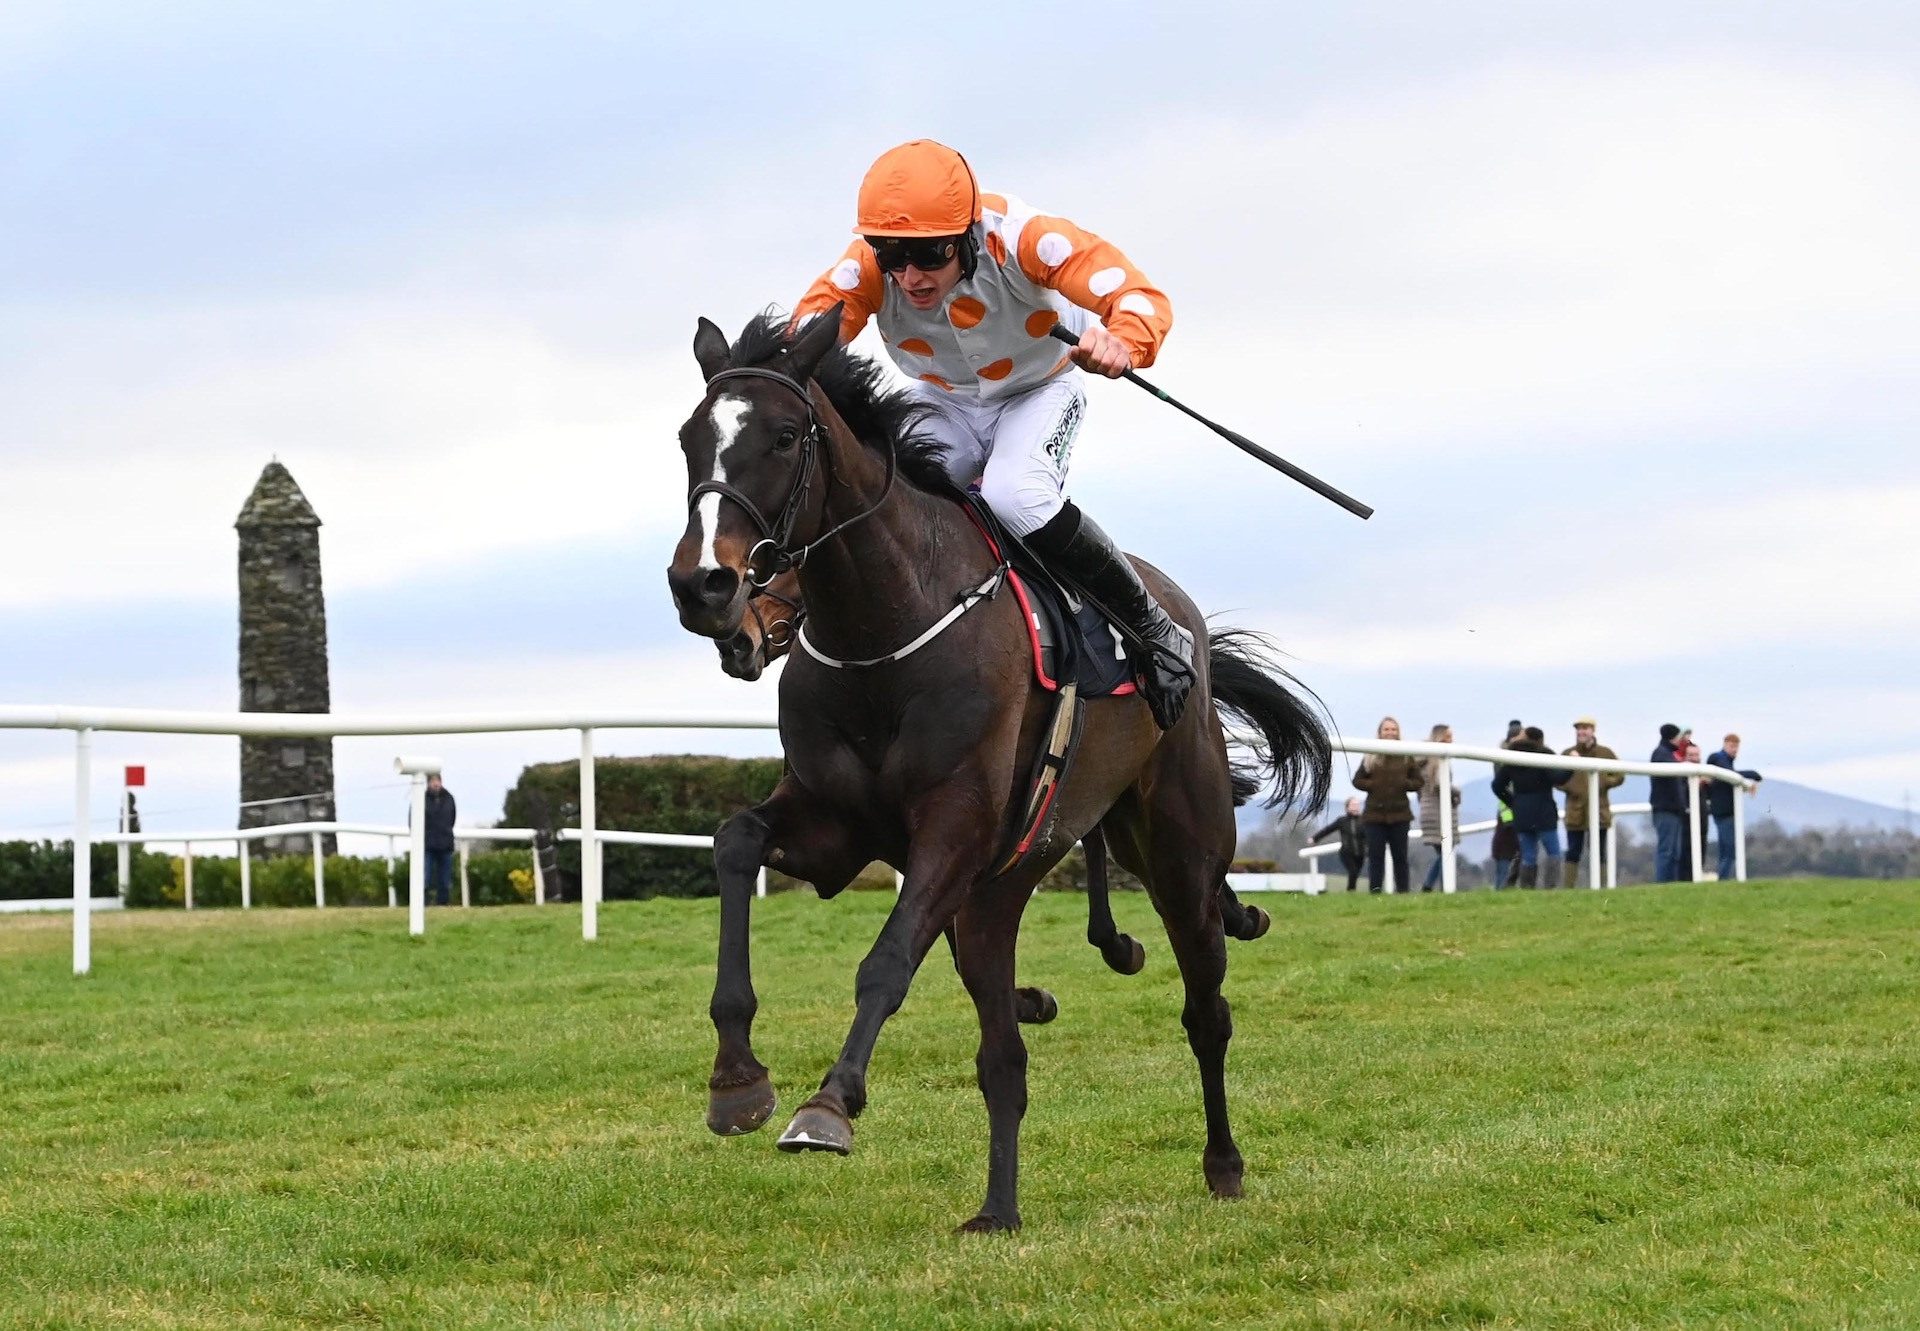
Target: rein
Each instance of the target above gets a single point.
(778, 534)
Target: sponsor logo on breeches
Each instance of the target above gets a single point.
(1059, 445)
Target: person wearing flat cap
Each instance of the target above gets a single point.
(1579, 819)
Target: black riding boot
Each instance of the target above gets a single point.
(1074, 546)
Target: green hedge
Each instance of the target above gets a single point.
(33, 870)
(685, 793)
(494, 878)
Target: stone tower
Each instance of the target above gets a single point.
(283, 658)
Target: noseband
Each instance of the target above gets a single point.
(777, 535)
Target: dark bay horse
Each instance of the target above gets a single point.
(918, 760)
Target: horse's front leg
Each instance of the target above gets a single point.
(943, 863)
(987, 932)
(807, 841)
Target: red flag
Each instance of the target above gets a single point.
(136, 776)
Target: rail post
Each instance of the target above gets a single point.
(1693, 827)
(589, 844)
(244, 848)
(391, 900)
(1740, 832)
(1449, 879)
(187, 859)
(466, 897)
(319, 872)
(1613, 855)
(417, 857)
(1593, 829)
(82, 852)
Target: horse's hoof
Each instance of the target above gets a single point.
(1223, 1176)
(734, 1111)
(1256, 926)
(1035, 1007)
(985, 1223)
(1125, 955)
(818, 1128)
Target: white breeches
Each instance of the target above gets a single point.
(1016, 447)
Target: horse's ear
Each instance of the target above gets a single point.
(710, 348)
(813, 342)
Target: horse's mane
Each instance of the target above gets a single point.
(857, 387)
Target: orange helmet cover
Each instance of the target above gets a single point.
(921, 188)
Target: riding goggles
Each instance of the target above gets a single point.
(894, 253)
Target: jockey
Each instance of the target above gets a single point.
(967, 287)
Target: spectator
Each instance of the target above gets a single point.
(1668, 796)
(1430, 809)
(1689, 752)
(439, 841)
(1579, 825)
(1353, 849)
(1506, 845)
(1388, 781)
(1536, 818)
(1506, 842)
(1720, 802)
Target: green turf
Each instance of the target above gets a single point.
(1690, 1106)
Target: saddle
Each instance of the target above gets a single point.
(1071, 640)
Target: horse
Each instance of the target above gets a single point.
(912, 749)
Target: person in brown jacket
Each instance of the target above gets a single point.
(1586, 746)
(1388, 812)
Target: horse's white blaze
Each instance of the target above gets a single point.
(729, 417)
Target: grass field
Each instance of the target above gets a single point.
(1691, 1106)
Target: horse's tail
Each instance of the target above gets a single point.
(1289, 744)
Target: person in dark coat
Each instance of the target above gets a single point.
(1353, 850)
(1388, 813)
(1720, 802)
(1668, 796)
(440, 817)
(1528, 791)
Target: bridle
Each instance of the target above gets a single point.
(777, 535)
(779, 633)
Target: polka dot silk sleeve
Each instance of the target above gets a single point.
(855, 279)
(1095, 275)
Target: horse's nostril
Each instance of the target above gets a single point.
(719, 584)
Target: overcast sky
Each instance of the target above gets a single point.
(1612, 312)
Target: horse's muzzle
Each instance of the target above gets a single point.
(710, 600)
(740, 657)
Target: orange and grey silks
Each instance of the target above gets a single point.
(988, 339)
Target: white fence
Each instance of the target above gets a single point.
(1315, 853)
(83, 722)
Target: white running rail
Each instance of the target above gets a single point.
(84, 721)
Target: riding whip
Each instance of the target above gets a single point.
(1240, 441)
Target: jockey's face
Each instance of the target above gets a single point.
(926, 289)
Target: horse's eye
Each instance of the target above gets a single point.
(786, 439)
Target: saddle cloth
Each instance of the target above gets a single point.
(1071, 642)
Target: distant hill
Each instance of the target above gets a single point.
(1794, 807)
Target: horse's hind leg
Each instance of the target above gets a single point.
(1240, 920)
(1033, 1007)
(1184, 873)
(1122, 952)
